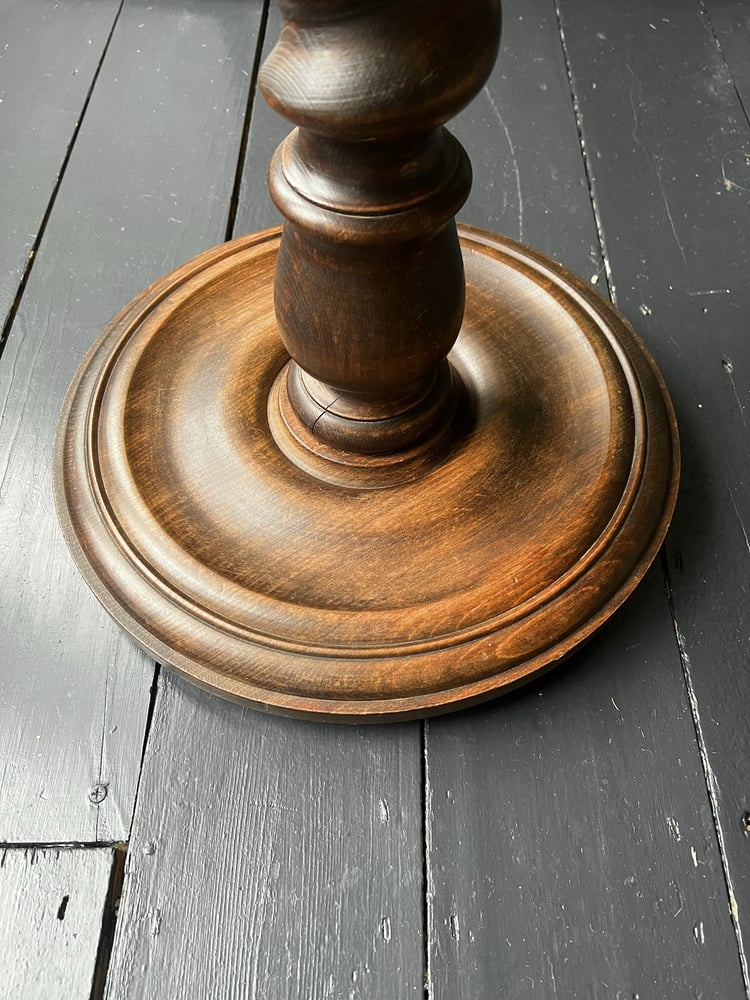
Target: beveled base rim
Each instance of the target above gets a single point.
(405, 674)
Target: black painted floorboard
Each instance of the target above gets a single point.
(49, 56)
(571, 846)
(271, 858)
(668, 139)
(148, 185)
(52, 916)
(584, 838)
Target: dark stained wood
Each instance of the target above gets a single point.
(198, 473)
(49, 53)
(301, 873)
(571, 849)
(543, 187)
(179, 448)
(673, 200)
(52, 908)
(369, 287)
(75, 692)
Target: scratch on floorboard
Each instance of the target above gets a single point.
(711, 782)
(737, 513)
(513, 157)
(652, 159)
(668, 211)
(729, 369)
(636, 122)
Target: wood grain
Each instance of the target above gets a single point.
(164, 125)
(680, 261)
(369, 287)
(562, 823)
(250, 602)
(51, 916)
(48, 60)
(271, 858)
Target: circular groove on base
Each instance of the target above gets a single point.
(275, 587)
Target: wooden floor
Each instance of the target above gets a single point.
(585, 838)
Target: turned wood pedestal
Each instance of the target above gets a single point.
(371, 466)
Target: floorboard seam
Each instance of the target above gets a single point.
(709, 22)
(109, 922)
(585, 157)
(31, 257)
(153, 694)
(709, 776)
(62, 845)
(234, 200)
(426, 875)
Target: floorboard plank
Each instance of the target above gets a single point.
(669, 144)
(49, 54)
(148, 185)
(271, 858)
(52, 908)
(571, 847)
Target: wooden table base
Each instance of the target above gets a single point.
(277, 577)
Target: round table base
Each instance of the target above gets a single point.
(249, 565)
